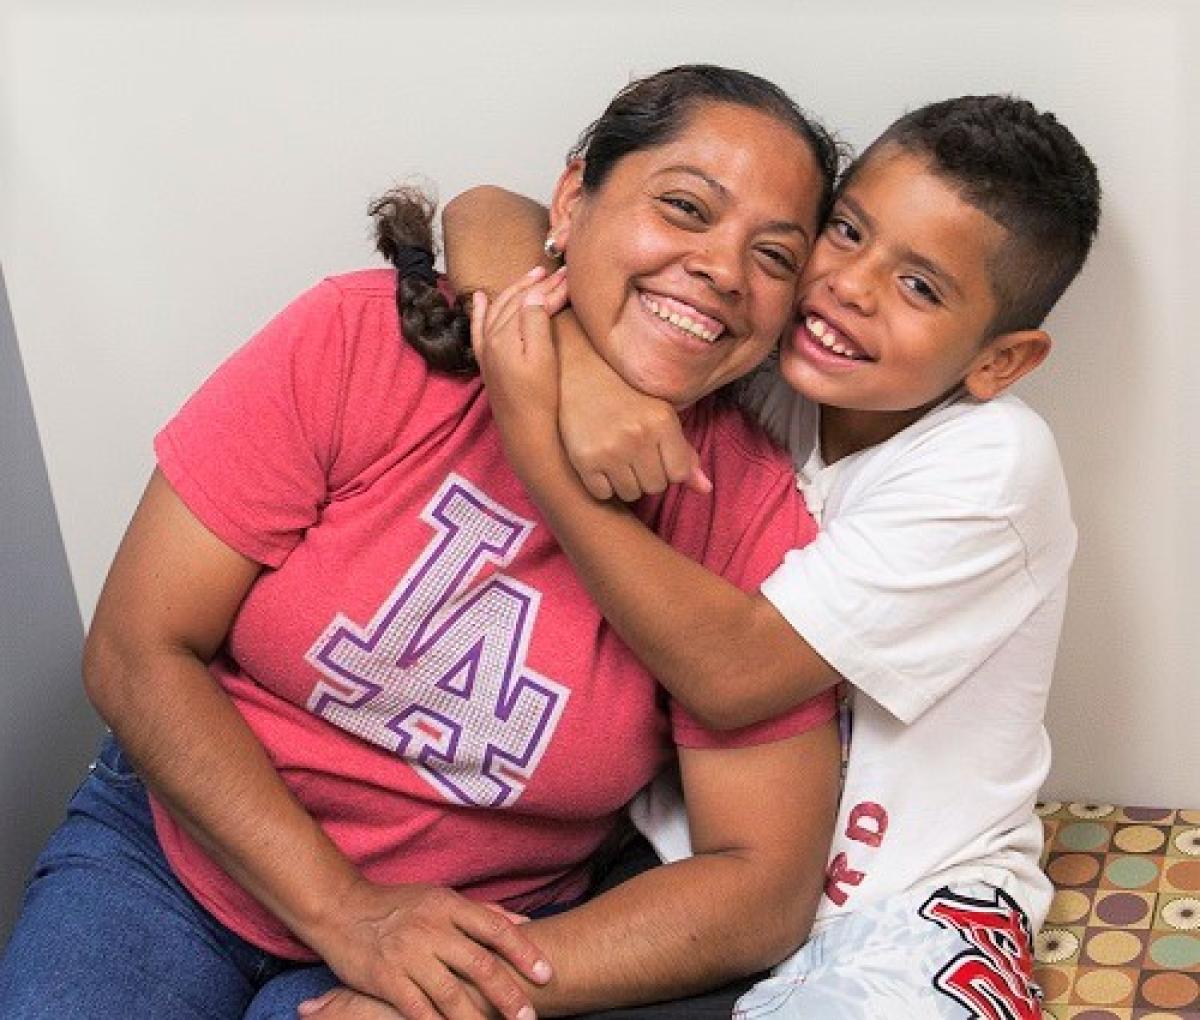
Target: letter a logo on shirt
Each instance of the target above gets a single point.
(439, 674)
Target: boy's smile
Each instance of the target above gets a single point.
(896, 301)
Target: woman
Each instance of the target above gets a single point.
(356, 673)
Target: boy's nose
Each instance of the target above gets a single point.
(851, 285)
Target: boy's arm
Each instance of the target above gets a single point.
(727, 655)
(492, 236)
(620, 441)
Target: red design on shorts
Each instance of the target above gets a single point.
(993, 979)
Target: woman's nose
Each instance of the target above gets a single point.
(722, 262)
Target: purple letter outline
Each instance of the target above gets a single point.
(438, 676)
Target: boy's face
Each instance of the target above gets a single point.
(896, 298)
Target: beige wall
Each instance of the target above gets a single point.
(172, 173)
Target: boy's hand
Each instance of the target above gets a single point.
(620, 441)
(514, 347)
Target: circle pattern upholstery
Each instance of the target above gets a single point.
(1122, 938)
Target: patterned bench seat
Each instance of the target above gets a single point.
(1122, 939)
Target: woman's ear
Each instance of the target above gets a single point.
(1004, 360)
(564, 206)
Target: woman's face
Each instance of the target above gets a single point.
(683, 263)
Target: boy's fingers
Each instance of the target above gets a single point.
(625, 484)
(597, 483)
(533, 287)
(514, 918)
(479, 309)
(310, 1006)
(535, 331)
(698, 481)
(682, 464)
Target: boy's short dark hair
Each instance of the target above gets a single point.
(1028, 173)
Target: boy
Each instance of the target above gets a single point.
(936, 588)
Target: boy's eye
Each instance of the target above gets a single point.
(843, 230)
(922, 289)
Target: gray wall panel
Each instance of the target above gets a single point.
(47, 731)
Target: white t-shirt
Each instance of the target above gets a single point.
(936, 587)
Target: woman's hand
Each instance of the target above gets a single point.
(346, 1004)
(514, 347)
(431, 953)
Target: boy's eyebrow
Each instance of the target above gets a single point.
(935, 270)
(789, 226)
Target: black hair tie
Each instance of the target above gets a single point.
(415, 262)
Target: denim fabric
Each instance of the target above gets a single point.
(106, 929)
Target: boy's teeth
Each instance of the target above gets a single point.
(684, 322)
(828, 338)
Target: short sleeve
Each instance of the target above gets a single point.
(249, 452)
(933, 558)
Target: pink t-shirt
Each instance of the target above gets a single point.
(418, 658)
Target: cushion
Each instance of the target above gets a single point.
(1122, 939)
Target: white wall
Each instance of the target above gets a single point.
(172, 173)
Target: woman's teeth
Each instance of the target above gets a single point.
(828, 338)
(684, 322)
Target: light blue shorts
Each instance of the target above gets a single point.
(958, 953)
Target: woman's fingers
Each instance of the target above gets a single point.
(346, 1004)
(494, 931)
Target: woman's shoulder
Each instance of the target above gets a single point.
(364, 283)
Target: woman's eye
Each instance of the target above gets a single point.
(782, 259)
(684, 205)
(922, 289)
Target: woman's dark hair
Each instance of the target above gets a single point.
(439, 329)
(647, 113)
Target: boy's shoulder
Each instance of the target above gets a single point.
(1002, 441)
(993, 461)
(998, 457)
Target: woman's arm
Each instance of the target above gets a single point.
(168, 603)
(761, 819)
(728, 656)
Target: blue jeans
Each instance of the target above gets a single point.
(107, 930)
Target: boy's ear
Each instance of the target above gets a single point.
(564, 205)
(1004, 360)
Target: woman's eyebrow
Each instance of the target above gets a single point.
(789, 226)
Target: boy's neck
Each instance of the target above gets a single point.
(846, 430)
